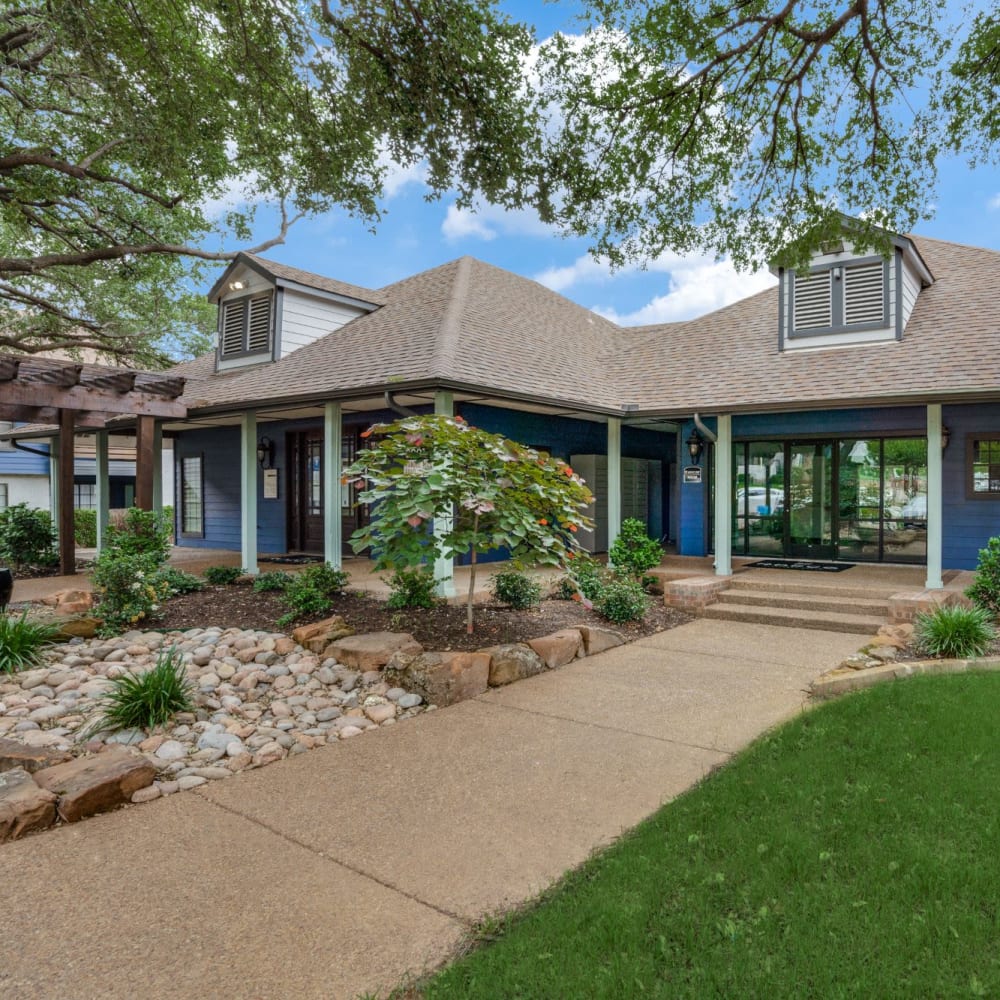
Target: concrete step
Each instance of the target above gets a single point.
(807, 601)
(827, 621)
(800, 586)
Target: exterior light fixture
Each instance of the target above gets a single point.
(945, 437)
(695, 446)
(265, 452)
(236, 286)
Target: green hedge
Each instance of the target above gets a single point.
(85, 527)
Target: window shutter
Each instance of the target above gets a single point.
(864, 293)
(232, 328)
(813, 303)
(259, 335)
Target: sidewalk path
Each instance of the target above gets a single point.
(339, 871)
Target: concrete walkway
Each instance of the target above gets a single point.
(345, 869)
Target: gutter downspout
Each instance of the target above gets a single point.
(702, 429)
(31, 451)
(403, 411)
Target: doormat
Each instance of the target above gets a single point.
(806, 564)
(291, 560)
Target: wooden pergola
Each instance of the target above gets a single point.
(74, 397)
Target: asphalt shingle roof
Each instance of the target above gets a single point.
(468, 323)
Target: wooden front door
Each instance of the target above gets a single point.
(305, 531)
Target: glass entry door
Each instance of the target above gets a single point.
(809, 500)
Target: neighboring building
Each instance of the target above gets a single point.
(856, 409)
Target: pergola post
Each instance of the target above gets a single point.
(67, 541)
(157, 466)
(248, 492)
(332, 524)
(935, 508)
(103, 490)
(444, 568)
(144, 433)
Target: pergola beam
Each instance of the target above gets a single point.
(50, 415)
(25, 392)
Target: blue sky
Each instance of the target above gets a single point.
(415, 234)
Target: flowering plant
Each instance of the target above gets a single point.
(482, 491)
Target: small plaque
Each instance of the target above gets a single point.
(692, 474)
(270, 484)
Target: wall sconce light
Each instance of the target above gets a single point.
(236, 286)
(265, 452)
(945, 437)
(695, 446)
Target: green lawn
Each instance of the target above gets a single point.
(855, 852)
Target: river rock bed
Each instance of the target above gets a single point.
(259, 697)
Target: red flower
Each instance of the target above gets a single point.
(572, 527)
(459, 419)
(568, 471)
(576, 597)
(542, 521)
(368, 433)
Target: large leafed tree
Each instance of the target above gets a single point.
(125, 121)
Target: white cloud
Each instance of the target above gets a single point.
(994, 202)
(486, 222)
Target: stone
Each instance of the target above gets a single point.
(380, 713)
(190, 781)
(317, 636)
(859, 661)
(373, 650)
(441, 678)
(24, 806)
(171, 750)
(348, 731)
(15, 754)
(410, 700)
(884, 654)
(146, 794)
(216, 741)
(83, 627)
(596, 640)
(90, 785)
(512, 662)
(127, 737)
(70, 602)
(558, 648)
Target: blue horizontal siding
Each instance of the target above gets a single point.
(14, 462)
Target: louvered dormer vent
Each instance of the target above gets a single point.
(864, 293)
(813, 301)
(247, 326)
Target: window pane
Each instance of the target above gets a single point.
(859, 535)
(762, 502)
(905, 515)
(192, 500)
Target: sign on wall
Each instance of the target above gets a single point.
(692, 474)
(270, 484)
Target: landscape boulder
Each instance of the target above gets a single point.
(512, 662)
(15, 754)
(24, 807)
(558, 648)
(596, 640)
(440, 678)
(90, 785)
(373, 650)
(317, 636)
(70, 602)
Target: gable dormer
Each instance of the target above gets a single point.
(267, 310)
(849, 297)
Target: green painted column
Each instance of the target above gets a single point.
(935, 508)
(333, 545)
(54, 485)
(723, 474)
(103, 490)
(444, 569)
(614, 479)
(248, 492)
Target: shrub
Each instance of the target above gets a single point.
(180, 582)
(85, 527)
(622, 600)
(311, 591)
(588, 578)
(222, 576)
(278, 580)
(955, 632)
(985, 589)
(27, 537)
(633, 551)
(520, 591)
(412, 588)
(22, 641)
(153, 698)
(141, 533)
(131, 588)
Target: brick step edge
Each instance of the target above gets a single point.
(801, 587)
(826, 621)
(807, 602)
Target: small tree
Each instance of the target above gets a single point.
(481, 490)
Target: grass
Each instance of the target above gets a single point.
(955, 631)
(145, 700)
(855, 852)
(23, 640)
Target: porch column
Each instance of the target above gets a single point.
(444, 569)
(144, 462)
(935, 518)
(103, 490)
(157, 466)
(614, 479)
(723, 476)
(248, 492)
(54, 485)
(332, 471)
(67, 541)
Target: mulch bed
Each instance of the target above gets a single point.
(443, 627)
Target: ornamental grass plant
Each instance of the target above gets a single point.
(23, 641)
(955, 632)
